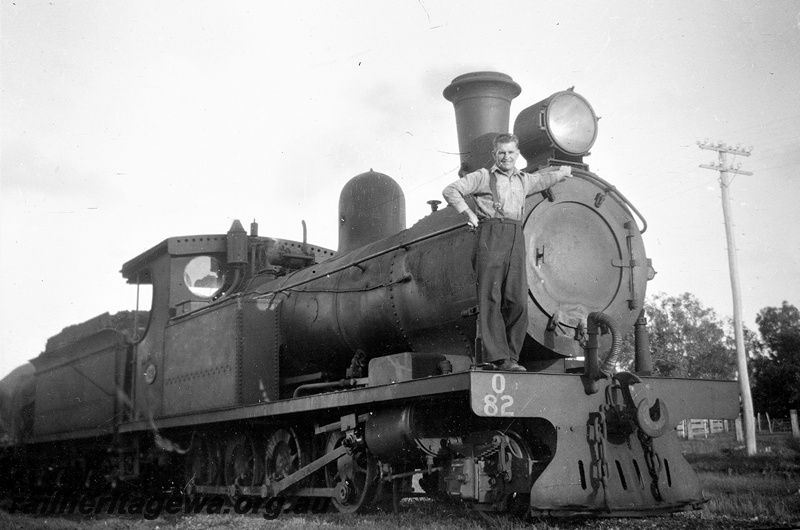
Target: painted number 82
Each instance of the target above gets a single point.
(497, 403)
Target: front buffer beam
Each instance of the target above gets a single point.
(616, 451)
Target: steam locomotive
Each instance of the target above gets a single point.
(272, 367)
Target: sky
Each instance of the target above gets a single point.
(124, 123)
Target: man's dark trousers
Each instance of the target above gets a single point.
(502, 288)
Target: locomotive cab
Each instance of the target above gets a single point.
(197, 283)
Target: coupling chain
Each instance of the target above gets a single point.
(599, 437)
(654, 464)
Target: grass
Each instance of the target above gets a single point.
(423, 515)
(765, 486)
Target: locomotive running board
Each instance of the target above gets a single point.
(344, 399)
(514, 394)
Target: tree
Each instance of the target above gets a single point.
(686, 339)
(776, 371)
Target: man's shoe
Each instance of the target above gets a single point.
(507, 365)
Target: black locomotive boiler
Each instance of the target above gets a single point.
(278, 368)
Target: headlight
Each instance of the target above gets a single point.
(564, 123)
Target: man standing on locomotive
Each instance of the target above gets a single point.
(502, 284)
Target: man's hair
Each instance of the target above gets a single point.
(505, 139)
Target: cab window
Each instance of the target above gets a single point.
(204, 276)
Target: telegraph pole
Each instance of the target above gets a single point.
(726, 173)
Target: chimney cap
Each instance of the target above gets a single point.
(506, 86)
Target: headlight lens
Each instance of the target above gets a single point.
(571, 122)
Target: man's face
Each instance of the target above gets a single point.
(505, 156)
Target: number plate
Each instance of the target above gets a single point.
(497, 395)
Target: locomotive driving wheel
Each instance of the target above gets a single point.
(243, 461)
(284, 455)
(355, 477)
(202, 464)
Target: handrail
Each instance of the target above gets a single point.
(609, 189)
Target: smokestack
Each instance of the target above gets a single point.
(482, 101)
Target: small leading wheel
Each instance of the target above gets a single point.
(243, 462)
(355, 477)
(283, 455)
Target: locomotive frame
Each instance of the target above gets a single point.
(278, 368)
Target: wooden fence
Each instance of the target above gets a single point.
(764, 424)
(702, 428)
